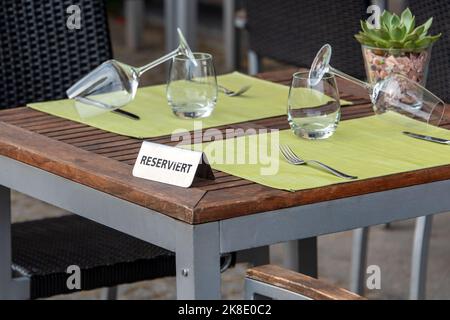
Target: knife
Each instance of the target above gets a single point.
(427, 138)
(106, 107)
(127, 114)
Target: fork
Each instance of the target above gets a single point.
(232, 93)
(292, 158)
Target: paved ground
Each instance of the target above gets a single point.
(389, 248)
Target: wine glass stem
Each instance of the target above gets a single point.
(356, 81)
(157, 62)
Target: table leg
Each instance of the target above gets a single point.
(419, 261)
(5, 237)
(254, 63)
(181, 14)
(9, 288)
(256, 256)
(135, 16)
(301, 256)
(229, 34)
(359, 260)
(198, 261)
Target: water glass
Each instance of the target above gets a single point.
(314, 108)
(192, 89)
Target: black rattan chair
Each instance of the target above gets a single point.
(44, 249)
(292, 31)
(439, 76)
(39, 58)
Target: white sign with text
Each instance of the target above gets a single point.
(169, 165)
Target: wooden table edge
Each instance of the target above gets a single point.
(193, 205)
(112, 177)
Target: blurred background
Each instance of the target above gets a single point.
(139, 32)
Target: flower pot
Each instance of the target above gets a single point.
(380, 63)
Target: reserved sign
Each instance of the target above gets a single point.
(170, 165)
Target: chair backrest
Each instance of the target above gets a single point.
(40, 57)
(439, 76)
(292, 31)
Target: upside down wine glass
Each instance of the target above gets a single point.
(114, 84)
(395, 93)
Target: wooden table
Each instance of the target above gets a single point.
(88, 171)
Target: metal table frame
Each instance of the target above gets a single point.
(198, 247)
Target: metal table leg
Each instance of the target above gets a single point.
(419, 260)
(9, 288)
(229, 34)
(256, 256)
(359, 260)
(198, 261)
(301, 256)
(254, 63)
(134, 16)
(182, 14)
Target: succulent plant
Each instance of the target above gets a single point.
(397, 32)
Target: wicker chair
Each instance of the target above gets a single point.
(292, 31)
(439, 76)
(40, 57)
(44, 249)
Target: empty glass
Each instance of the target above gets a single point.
(114, 84)
(314, 111)
(399, 94)
(192, 89)
(395, 93)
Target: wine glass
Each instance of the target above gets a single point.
(313, 111)
(192, 90)
(114, 84)
(395, 93)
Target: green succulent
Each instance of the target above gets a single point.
(397, 32)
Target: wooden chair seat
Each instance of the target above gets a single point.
(270, 280)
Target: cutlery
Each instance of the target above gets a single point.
(427, 138)
(105, 106)
(232, 93)
(227, 91)
(127, 114)
(292, 158)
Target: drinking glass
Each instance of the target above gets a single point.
(192, 89)
(114, 84)
(395, 93)
(314, 111)
(399, 94)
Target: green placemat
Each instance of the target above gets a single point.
(265, 99)
(367, 147)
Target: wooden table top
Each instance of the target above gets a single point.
(103, 161)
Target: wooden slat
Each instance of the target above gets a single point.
(70, 125)
(103, 160)
(66, 131)
(299, 283)
(97, 172)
